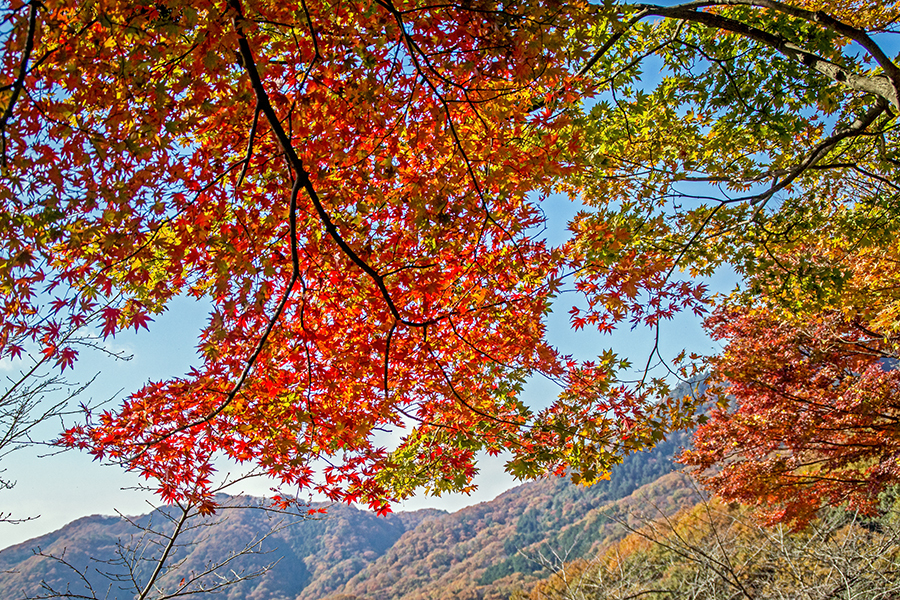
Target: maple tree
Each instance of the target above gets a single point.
(808, 387)
(349, 183)
(765, 123)
(356, 187)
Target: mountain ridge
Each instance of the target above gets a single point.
(481, 552)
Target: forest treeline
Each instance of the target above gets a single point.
(714, 550)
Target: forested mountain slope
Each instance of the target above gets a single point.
(717, 550)
(489, 550)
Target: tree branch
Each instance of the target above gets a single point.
(160, 564)
(252, 138)
(857, 35)
(20, 80)
(887, 87)
(302, 175)
(820, 152)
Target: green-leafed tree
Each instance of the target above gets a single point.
(759, 137)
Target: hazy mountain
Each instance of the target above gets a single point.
(319, 553)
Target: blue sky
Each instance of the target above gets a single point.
(62, 487)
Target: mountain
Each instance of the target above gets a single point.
(482, 552)
(315, 554)
(487, 551)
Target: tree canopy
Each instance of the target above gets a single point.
(769, 146)
(356, 186)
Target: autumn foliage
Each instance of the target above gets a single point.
(809, 393)
(766, 148)
(814, 420)
(717, 550)
(356, 187)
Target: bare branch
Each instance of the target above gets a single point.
(165, 555)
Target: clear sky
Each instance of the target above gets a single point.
(57, 489)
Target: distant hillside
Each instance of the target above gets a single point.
(716, 550)
(481, 552)
(318, 555)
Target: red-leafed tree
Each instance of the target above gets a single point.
(807, 384)
(809, 414)
(355, 186)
